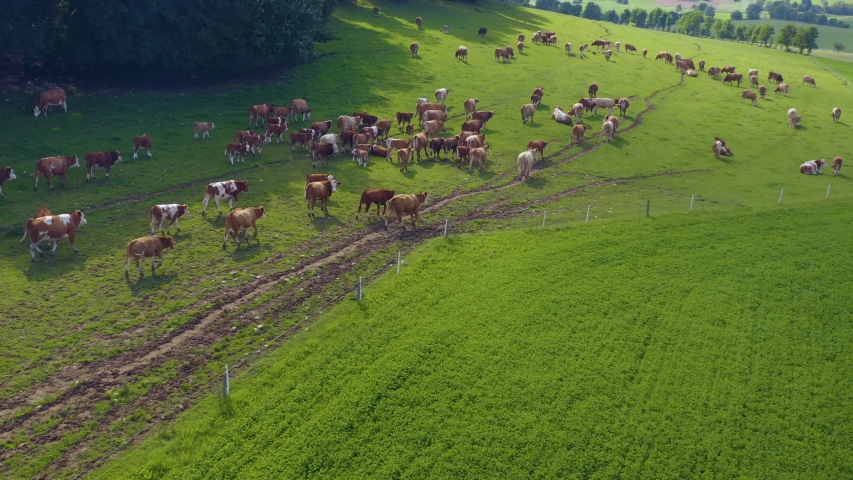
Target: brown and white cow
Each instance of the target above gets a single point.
(774, 77)
(527, 112)
(509, 52)
(793, 118)
(143, 141)
(240, 220)
(378, 150)
(478, 157)
(434, 115)
(260, 112)
(525, 164)
(147, 247)
(276, 131)
(472, 126)
(321, 191)
(322, 151)
(419, 22)
(414, 47)
(377, 197)
(461, 155)
(55, 166)
(203, 128)
(561, 117)
(361, 156)
(420, 142)
(472, 140)
(298, 106)
(809, 80)
(782, 88)
(433, 127)
(256, 142)
(318, 177)
(404, 118)
(750, 95)
(441, 96)
(762, 91)
(302, 139)
(242, 135)
(229, 189)
(462, 53)
(645, 52)
(578, 132)
(52, 229)
(836, 115)
(424, 107)
(239, 150)
(405, 204)
(403, 157)
(104, 160)
(282, 112)
(812, 167)
(836, 166)
(6, 173)
(171, 212)
(50, 98)
(730, 77)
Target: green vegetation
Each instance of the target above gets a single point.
(827, 35)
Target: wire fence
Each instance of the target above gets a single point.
(830, 70)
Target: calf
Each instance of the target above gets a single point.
(320, 191)
(525, 164)
(630, 48)
(836, 114)
(402, 205)
(441, 95)
(52, 229)
(240, 220)
(577, 112)
(141, 142)
(361, 156)
(104, 160)
(461, 154)
(527, 112)
(256, 142)
(171, 212)
(375, 11)
(239, 150)
(520, 47)
(203, 128)
(229, 189)
(242, 135)
(275, 131)
(568, 49)
(753, 80)
(146, 247)
(6, 173)
(607, 55)
(52, 166)
(623, 105)
(836, 166)
(812, 167)
(701, 65)
(645, 52)
(378, 197)
(50, 98)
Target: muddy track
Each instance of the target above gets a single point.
(310, 279)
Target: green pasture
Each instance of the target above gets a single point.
(74, 311)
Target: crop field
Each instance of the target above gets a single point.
(93, 357)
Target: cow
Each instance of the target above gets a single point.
(283, 112)
(630, 48)
(578, 132)
(645, 52)
(509, 52)
(360, 156)
(774, 77)
(812, 167)
(432, 127)
(240, 220)
(396, 144)
(754, 71)
(472, 126)
(420, 142)
(104, 160)
(483, 116)
(52, 166)
(577, 112)
(171, 212)
(470, 107)
(384, 126)
(608, 54)
(403, 156)
(749, 94)
(321, 128)
(405, 204)
(478, 156)
(809, 80)
(608, 130)
(599, 43)
(668, 58)
(420, 22)
(593, 89)
(689, 63)
(378, 197)
(52, 229)
(614, 121)
(681, 66)
(536, 100)
(720, 148)
(728, 69)
(242, 135)
(521, 37)
(434, 115)
(537, 37)
(6, 173)
(50, 98)
(539, 92)
(525, 164)
(204, 128)
(714, 71)
(582, 49)
(347, 138)
(423, 100)
(256, 141)
(501, 55)
(623, 105)
(462, 53)
(561, 117)
(378, 150)
(259, 112)
(276, 121)
(782, 88)
(298, 106)
(483, 31)
(423, 107)
(239, 150)
(348, 123)
(229, 189)
(730, 77)
(836, 114)
(588, 104)
(375, 11)
(461, 154)
(404, 118)
(793, 118)
(661, 56)
(321, 191)
(836, 166)
(701, 65)
(318, 177)
(361, 138)
(762, 90)
(410, 129)
(147, 247)
(303, 139)
(607, 103)
(520, 47)
(538, 146)
(367, 120)
(618, 45)
(450, 145)
(414, 47)
(568, 49)
(141, 142)
(275, 131)
(471, 139)
(435, 146)
(322, 151)
(445, 28)
(527, 112)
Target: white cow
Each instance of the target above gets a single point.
(441, 94)
(607, 103)
(525, 164)
(812, 167)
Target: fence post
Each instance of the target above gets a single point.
(780, 194)
(587, 213)
(648, 206)
(226, 382)
(398, 262)
(445, 227)
(691, 201)
(544, 214)
(360, 296)
(827, 190)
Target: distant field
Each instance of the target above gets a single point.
(828, 35)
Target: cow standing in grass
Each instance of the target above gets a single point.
(402, 205)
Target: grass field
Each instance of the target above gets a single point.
(714, 346)
(92, 357)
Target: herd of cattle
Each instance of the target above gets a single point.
(365, 135)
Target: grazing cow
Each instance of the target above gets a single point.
(520, 47)
(52, 229)
(730, 77)
(259, 112)
(104, 160)
(445, 28)
(470, 107)
(754, 71)
(450, 145)
(537, 37)
(599, 43)
(483, 31)
(322, 151)
(714, 71)
(204, 128)
(229, 189)
(661, 56)
(753, 80)
(483, 116)
(377, 197)
(809, 80)
(396, 144)
(420, 22)
(618, 45)
(782, 88)
(52, 166)
(509, 52)
(256, 141)
(141, 142)
(321, 191)
(318, 177)
(6, 173)
(420, 142)
(322, 128)
(283, 112)
(680, 66)
(561, 117)
(275, 131)
(689, 63)
(147, 247)
(582, 49)
(414, 47)
(623, 105)
(645, 52)
(762, 90)
(630, 48)
(614, 121)
(521, 37)
(432, 127)
(701, 65)
(462, 53)
(577, 112)
(538, 146)
(607, 103)
(472, 126)
(668, 58)
(242, 135)
(405, 204)
(434, 115)
(749, 94)
(578, 132)
(608, 130)
(348, 123)
(812, 167)
(423, 107)
(568, 49)
(240, 220)
(478, 156)
(836, 114)
(608, 54)
(593, 89)
(527, 112)
(435, 146)
(50, 98)
(793, 118)
(525, 162)
(774, 77)
(836, 166)
(239, 150)
(728, 69)
(501, 55)
(403, 156)
(298, 106)
(375, 11)
(171, 212)
(303, 139)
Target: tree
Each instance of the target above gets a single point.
(736, 15)
(753, 11)
(691, 23)
(611, 16)
(822, 19)
(765, 33)
(638, 17)
(786, 35)
(550, 5)
(811, 38)
(592, 11)
(740, 32)
(702, 7)
(678, 8)
(838, 46)
(654, 17)
(707, 24)
(709, 12)
(565, 8)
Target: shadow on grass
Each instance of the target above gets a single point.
(139, 283)
(245, 251)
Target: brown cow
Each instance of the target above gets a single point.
(367, 119)
(501, 55)
(520, 47)
(379, 150)
(836, 166)
(461, 154)
(836, 115)
(420, 142)
(728, 69)
(303, 139)
(204, 128)
(321, 151)
(405, 204)
(593, 89)
(414, 47)
(450, 145)
(318, 177)
(229, 189)
(403, 156)
(240, 220)
(478, 156)
(321, 128)
(141, 142)
(239, 150)
(645, 52)
(423, 107)
(749, 94)
(762, 90)
(419, 21)
(347, 138)
(283, 112)
(753, 80)
(52, 229)
(259, 112)
(275, 131)
(809, 80)
(242, 135)
(298, 106)
(396, 144)
(774, 77)
(465, 136)
(462, 53)
(104, 160)
(6, 173)
(378, 197)
(701, 65)
(410, 130)
(434, 115)
(171, 212)
(630, 48)
(730, 77)
(538, 146)
(527, 111)
(51, 166)
(472, 126)
(50, 98)
(320, 191)
(147, 247)
(404, 118)
(432, 127)
(384, 126)
(509, 52)
(483, 116)
(782, 88)
(578, 132)
(361, 138)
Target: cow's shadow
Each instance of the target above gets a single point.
(245, 251)
(140, 283)
(619, 142)
(533, 125)
(215, 220)
(323, 223)
(536, 182)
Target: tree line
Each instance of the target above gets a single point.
(172, 34)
